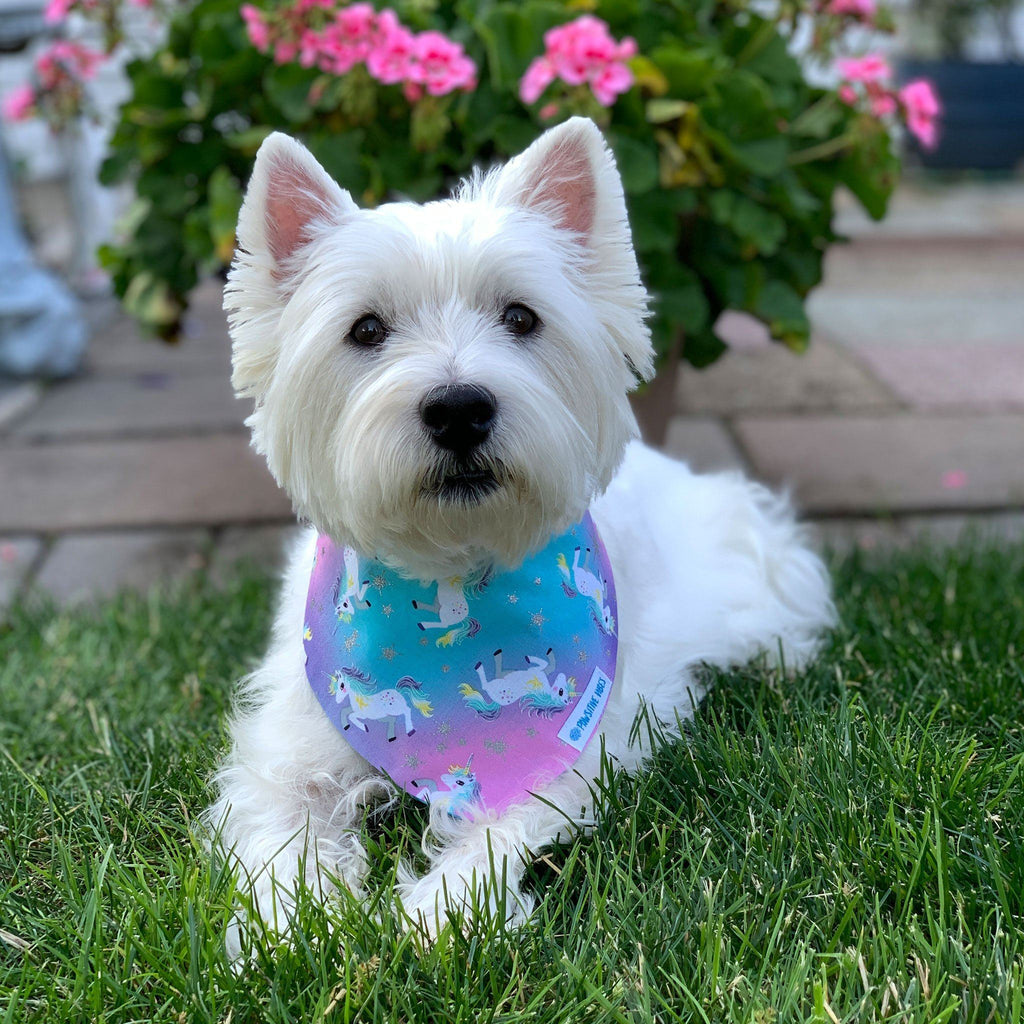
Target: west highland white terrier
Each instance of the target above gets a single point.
(497, 576)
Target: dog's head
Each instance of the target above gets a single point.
(437, 382)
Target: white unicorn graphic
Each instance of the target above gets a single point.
(461, 784)
(347, 601)
(451, 606)
(584, 580)
(366, 701)
(530, 685)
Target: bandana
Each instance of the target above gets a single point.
(472, 691)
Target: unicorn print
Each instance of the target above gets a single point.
(582, 579)
(347, 601)
(349, 685)
(461, 785)
(530, 686)
(451, 607)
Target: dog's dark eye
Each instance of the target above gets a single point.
(368, 331)
(519, 319)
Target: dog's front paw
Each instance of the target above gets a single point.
(445, 898)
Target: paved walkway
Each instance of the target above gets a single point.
(906, 416)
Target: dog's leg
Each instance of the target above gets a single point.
(290, 795)
(479, 866)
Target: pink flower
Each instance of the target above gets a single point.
(954, 480)
(883, 104)
(56, 10)
(614, 79)
(441, 65)
(259, 33)
(539, 75)
(391, 59)
(848, 94)
(548, 111)
(923, 109)
(18, 103)
(871, 68)
(582, 51)
(67, 59)
(863, 9)
(285, 51)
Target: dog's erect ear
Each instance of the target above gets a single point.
(290, 196)
(289, 200)
(569, 175)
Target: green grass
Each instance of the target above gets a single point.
(844, 845)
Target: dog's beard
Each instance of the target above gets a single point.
(464, 481)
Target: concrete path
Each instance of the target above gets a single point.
(905, 417)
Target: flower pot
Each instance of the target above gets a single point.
(983, 121)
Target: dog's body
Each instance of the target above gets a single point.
(708, 570)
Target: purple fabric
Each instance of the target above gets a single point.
(473, 691)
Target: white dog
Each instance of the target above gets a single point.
(443, 389)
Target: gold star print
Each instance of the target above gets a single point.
(351, 640)
(378, 581)
(444, 728)
(412, 761)
(387, 610)
(446, 668)
(513, 598)
(496, 746)
(424, 641)
(531, 731)
(575, 638)
(442, 747)
(388, 653)
(537, 618)
(581, 656)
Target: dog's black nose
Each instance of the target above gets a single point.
(459, 416)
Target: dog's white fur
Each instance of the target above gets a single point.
(710, 570)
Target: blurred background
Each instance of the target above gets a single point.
(124, 460)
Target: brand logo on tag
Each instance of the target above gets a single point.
(587, 713)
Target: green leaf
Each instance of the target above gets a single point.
(225, 198)
(637, 162)
(702, 348)
(341, 156)
(782, 309)
(678, 295)
(287, 87)
(688, 71)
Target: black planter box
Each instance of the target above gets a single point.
(982, 126)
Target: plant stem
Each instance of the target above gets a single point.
(822, 150)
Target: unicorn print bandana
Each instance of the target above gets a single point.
(474, 690)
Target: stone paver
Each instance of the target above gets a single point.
(17, 555)
(703, 443)
(887, 534)
(769, 377)
(16, 399)
(923, 210)
(92, 484)
(145, 403)
(81, 566)
(867, 320)
(891, 463)
(984, 377)
(260, 546)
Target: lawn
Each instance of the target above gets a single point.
(844, 845)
